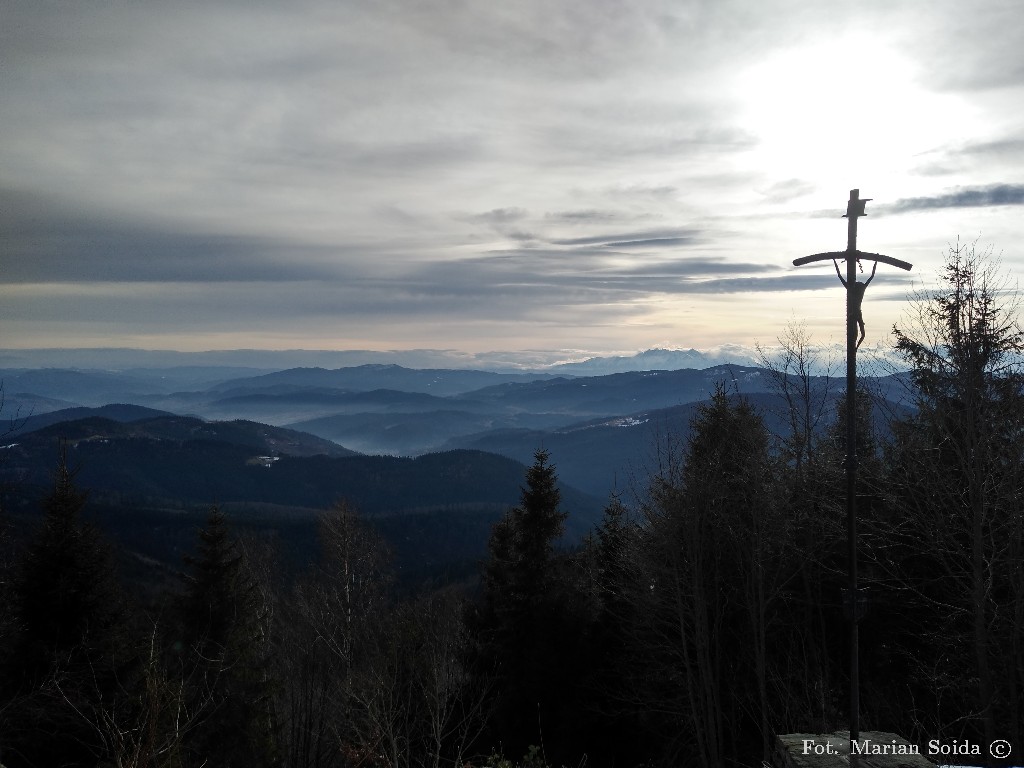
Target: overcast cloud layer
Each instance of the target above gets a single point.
(598, 175)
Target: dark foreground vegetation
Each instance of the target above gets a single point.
(688, 629)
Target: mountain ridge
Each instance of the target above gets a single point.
(255, 362)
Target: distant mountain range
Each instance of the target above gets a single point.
(660, 360)
(600, 428)
(240, 362)
(433, 456)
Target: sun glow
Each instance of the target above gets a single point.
(843, 110)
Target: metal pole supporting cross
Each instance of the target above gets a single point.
(854, 297)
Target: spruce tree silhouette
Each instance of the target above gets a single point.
(223, 652)
(521, 621)
(68, 610)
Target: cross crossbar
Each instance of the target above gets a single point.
(859, 255)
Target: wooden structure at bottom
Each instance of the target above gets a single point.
(875, 749)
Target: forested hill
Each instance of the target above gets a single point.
(176, 458)
(150, 483)
(123, 422)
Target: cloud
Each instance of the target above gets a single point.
(49, 241)
(785, 191)
(500, 216)
(977, 51)
(640, 190)
(652, 242)
(635, 239)
(609, 136)
(961, 197)
(998, 148)
(583, 216)
(994, 154)
(591, 275)
(771, 284)
(407, 156)
(398, 167)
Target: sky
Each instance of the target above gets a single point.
(579, 177)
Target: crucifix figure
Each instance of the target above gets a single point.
(857, 296)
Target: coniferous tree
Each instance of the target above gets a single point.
(525, 622)
(7, 618)
(712, 549)
(519, 576)
(616, 539)
(68, 614)
(958, 489)
(617, 724)
(223, 647)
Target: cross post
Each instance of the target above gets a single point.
(855, 208)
